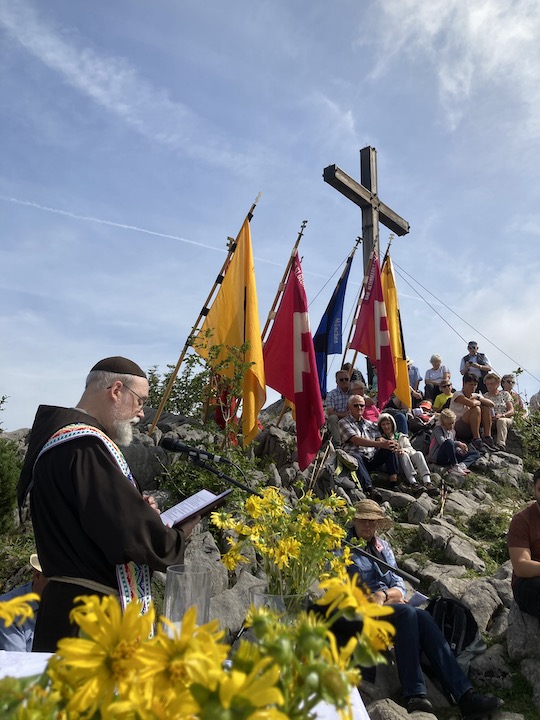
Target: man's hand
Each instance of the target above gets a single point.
(188, 526)
(150, 499)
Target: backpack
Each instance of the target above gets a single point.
(459, 628)
(421, 441)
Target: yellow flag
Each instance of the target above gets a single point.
(403, 389)
(234, 320)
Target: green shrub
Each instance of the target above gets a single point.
(10, 468)
(528, 429)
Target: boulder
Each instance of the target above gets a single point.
(523, 637)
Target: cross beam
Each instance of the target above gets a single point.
(364, 194)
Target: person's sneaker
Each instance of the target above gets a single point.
(489, 444)
(501, 447)
(477, 444)
(456, 470)
(419, 703)
(474, 705)
(463, 468)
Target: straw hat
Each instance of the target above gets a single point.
(370, 510)
(34, 562)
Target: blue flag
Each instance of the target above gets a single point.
(327, 339)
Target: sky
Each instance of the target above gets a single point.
(135, 136)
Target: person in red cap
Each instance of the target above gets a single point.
(95, 532)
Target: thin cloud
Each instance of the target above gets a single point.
(472, 46)
(115, 85)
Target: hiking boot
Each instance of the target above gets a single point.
(490, 445)
(474, 705)
(431, 490)
(419, 703)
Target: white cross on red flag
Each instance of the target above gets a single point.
(290, 365)
(372, 337)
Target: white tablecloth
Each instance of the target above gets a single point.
(21, 664)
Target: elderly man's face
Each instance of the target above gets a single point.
(129, 409)
(365, 529)
(343, 382)
(356, 406)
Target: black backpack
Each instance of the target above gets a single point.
(456, 622)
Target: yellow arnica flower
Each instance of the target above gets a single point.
(257, 687)
(92, 669)
(344, 594)
(193, 654)
(17, 609)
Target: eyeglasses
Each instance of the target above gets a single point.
(445, 385)
(512, 382)
(359, 405)
(343, 379)
(140, 400)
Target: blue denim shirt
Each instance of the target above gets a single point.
(371, 575)
(18, 638)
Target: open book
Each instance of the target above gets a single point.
(202, 503)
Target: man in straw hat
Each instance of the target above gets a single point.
(416, 631)
(19, 638)
(95, 532)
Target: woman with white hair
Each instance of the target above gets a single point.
(437, 374)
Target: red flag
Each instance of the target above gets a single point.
(290, 366)
(372, 337)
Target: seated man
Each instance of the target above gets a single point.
(472, 411)
(524, 549)
(19, 638)
(362, 439)
(416, 631)
(336, 404)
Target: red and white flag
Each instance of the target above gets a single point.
(290, 365)
(372, 337)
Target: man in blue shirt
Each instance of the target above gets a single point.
(19, 638)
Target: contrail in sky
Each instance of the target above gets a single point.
(28, 203)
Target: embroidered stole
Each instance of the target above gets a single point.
(133, 580)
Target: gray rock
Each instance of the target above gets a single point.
(523, 637)
(461, 552)
(491, 669)
(499, 628)
(420, 510)
(450, 587)
(531, 672)
(483, 601)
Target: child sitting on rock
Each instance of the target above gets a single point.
(445, 450)
(411, 461)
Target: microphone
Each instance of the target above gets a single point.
(177, 446)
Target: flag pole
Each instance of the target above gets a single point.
(217, 282)
(356, 312)
(281, 286)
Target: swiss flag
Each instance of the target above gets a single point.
(372, 337)
(290, 365)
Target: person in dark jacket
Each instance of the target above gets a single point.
(95, 532)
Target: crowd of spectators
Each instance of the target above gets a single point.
(456, 421)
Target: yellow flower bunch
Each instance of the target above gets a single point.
(115, 671)
(295, 546)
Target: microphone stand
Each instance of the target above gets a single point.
(223, 476)
(384, 565)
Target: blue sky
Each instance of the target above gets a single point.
(170, 117)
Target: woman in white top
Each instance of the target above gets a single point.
(503, 408)
(437, 374)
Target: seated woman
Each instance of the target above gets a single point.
(508, 383)
(412, 462)
(503, 408)
(445, 450)
(437, 374)
(416, 631)
(472, 411)
(445, 396)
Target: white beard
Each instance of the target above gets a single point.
(122, 431)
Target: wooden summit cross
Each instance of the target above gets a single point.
(364, 194)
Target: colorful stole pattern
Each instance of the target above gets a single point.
(133, 580)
